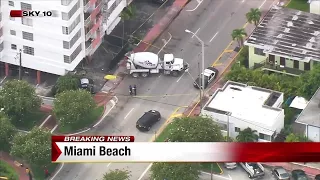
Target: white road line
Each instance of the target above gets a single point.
(3, 79)
(108, 165)
(145, 171)
(195, 33)
(215, 175)
(199, 2)
(180, 77)
(214, 36)
(262, 4)
(48, 117)
(57, 172)
(128, 113)
(54, 128)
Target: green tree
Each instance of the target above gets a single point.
(117, 175)
(195, 129)
(185, 171)
(72, 107)
(311, 82)
(35, 147)
(7, 132)
(67, 83)
(18, 99)
(253, 16)
(247, 135)
(296, 138)
(238, 35)
(128, 13)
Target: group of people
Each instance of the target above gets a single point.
(133, 90)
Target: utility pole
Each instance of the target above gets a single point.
(211, 172)
(228, 126)
(20, 65)
(199, 84)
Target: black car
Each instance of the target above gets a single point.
(147, 120)
(209, 75)
(317, 177)
(280, 173)
(299, 174)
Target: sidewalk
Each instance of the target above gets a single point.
(292, 166)
(20, 170)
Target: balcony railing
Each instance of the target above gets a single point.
(96, 11)
(89, 35)
(97, 25)
(87, 18)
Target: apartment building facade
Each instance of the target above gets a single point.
(55, 45)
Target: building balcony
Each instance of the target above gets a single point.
(97, 25)
(88, 45)
(266, 66)
(87, 19)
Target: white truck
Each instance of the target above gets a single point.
(146, 63)
(254, 170)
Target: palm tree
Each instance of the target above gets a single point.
(239, 34)
(253, 16)
(247, 135)
(127, 13)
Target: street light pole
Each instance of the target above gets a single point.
(20, 65)
(202, 83)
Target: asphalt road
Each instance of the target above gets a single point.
(216, 19)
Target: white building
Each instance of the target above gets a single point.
(309, 118)
(56, 45)
(243, 106)
(314, 6)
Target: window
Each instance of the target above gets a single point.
(307, 66)
(67, 16)
(11, 3)
(27, 21)
(27, 36)
(13, 46)
(68, 45)
(28, 50)
(236, 129)
(13, 32)
(295, 64)
(26, 6)
(68, 30)
(264, 137)
(223, 127)
(76, 52)
(282, 61)
(258, 51)
(65, 2)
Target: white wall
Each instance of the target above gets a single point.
(313, 133)
(315, 7)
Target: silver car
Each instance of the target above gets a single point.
(231, 165)
(280, 173)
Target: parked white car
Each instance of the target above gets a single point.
(231, 165)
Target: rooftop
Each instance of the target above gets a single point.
(288, 33)
(250, 103)
(311, 114)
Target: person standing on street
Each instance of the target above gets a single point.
(134, 90)
(46, 173)
(29, 173)
(130, 90)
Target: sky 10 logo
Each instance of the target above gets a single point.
(32, 13)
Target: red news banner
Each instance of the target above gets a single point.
(32, 13)
(124, 149)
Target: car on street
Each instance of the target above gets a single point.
(254, 170)
(147, 120)
(230, 165)
(209, 75)
(280, 173)
(317, 177)
(299, 174)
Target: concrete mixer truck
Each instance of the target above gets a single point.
(146, 63)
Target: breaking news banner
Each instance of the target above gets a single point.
(77, 149)
(33, 13)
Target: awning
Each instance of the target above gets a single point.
(299, 103)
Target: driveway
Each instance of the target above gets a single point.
(213, 21)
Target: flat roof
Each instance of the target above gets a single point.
(311, 114)
(246, 102)
(288, 33)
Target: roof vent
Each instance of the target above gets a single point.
(275, 41)
(235, 88)
(309, 45)
(298, 13)
(295, 17)
(280, 36)
(304, 52)
(286, 30)
(313, 39)
(294, 44)
(290, 24)
(310, 22)
(316, 33)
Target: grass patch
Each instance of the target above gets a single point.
(206, 167)
(94, 115)
(38, 172)
(301, 5)
(7, 171)
(30, 120)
